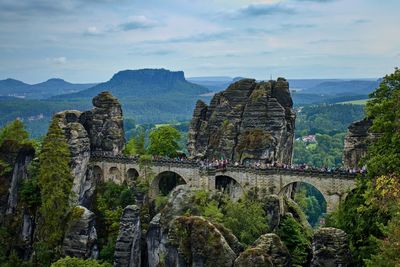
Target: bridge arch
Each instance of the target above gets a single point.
(98, 173)
(306, 193)
(229, 185)
(114, 174)
(132, 174)
(165, 181)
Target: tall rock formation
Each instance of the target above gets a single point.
(81, 237)
(104, 124)
(249, 121)
(127, 248)
(99, 130)
(356, 143)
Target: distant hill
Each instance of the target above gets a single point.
(147, 96)
(143, 83)
(49, 88)
(355, 87)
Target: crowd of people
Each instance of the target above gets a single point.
(221, 164)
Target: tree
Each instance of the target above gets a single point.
(55, 183)
(246, 219)
(384, 109)
(164, 141)
(136, 145)
(14, 131)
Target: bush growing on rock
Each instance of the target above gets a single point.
(76, 262)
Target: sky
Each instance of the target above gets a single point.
(90, 40)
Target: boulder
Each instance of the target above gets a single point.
(128, 246)
(268, 250)
(195, 241)
(254, 257)
(249, 121)
(174, 239)
(80, 236)
(330, 248)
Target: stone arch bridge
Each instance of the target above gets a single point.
(333, 186)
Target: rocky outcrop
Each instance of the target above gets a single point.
(356, 143)
(246, 122)
(19, 173)
(128, 247)
(268, 250)
(104, 124)
(273, 207)
(79, 146)
(81, 237)
(176, 240)
(99, 130)
(330, 248)
(194, 241)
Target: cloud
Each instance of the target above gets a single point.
(58, 60)
(92, 31)
(316, 1)
(197, 38)
(138, 22)
(361, 21)
(257, 10)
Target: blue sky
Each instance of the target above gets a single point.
(90, 40)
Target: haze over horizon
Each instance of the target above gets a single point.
(89, 41)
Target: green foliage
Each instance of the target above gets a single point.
(311, 202)
(136, 145)
(326, 119)
(246, 219)
(76, 262)
(363, 226)
(109, 203)
(293, 236)
(164, 141)
(384, 153)
(14, 131)
(160, 202)
(55, 183)
(389, 248)
(327, 152)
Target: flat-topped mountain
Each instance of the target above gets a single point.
(49, 88)
(143, 83)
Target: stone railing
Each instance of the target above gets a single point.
(100, 157)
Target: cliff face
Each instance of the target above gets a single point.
(98, 130)
(246, 122)
(356, 143)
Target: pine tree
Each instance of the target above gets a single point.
(55, 182)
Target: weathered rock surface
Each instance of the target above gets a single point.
(197, 243)
(99, 130)
(81, 237)
(128, 247)
(176, 240)
(356, 143)
(104, 124)
(273, 207)
(248, 121)
(79, 146)
(19, 173)
(268, 250)
(330, 248)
